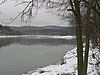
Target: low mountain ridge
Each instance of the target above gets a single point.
(45, 30)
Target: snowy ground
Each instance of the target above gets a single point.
(39, 36)
(68, 65)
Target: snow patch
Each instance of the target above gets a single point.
(39, 36)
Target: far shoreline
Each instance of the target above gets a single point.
(39, 36)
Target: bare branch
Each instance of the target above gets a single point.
(2, 2)
(87, 3)
(21, 12)
(21, 3)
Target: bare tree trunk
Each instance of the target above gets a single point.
(79, 37)
(87, 40)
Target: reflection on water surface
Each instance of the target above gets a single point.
(19, 55)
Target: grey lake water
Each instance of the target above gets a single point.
(19, 55)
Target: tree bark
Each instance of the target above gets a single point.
(79, 37)
(87, 41)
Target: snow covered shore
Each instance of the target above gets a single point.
(69, 65)
(39, 36)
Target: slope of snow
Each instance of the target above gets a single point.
(69, 65)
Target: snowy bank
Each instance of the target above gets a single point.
(39, 36)
(69, 65)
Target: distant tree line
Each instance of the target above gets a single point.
(5, 30)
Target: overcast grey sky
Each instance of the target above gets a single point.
(7, 11)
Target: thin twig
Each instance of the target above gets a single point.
(2, 2)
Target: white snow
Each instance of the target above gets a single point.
(69, 65)
(39, 36)
(8, 36)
